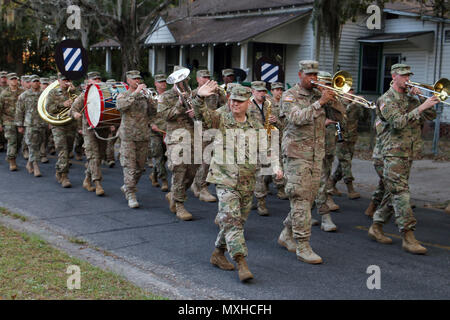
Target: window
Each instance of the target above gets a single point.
(370, 66)
(447, 36)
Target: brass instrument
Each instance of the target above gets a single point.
(440, 89)
(179, 79)
(150, 93)
(267, 125)
(62, 117)
(341, 84)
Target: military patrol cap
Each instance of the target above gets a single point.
(111, 81)
(61, 76)
(160, 77)
(34, 78)
(25, 78)
(176, 68)
(45, 80)
(230, 86)
(53, 78)
(240, 93)
(276, 85)
(227, 72)
(93, 75)
(401, 69)
(203, 73)
(308, 66)
(134, 74)
(325, 77)
(12, 75)
(3, 74)
(259, 86)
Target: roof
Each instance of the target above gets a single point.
(393, 37)
(106, 43)
(413, 8)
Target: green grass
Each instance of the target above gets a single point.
(31, 269)
(13, 215)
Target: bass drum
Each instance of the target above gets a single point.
(100, 104)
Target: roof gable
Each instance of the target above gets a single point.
(160, 34)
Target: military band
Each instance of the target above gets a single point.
(313, 122)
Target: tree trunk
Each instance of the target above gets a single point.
(317, 38)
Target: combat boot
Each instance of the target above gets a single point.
(12, 164)
(132, 202)
(410, 244)
(165, 185)
(331, 204)
(376, 233)
(352, 194)
(371, 209)
(52, 151)
(58, 177)
(154, 180)
(243, 271)
(29, 167)
(44, 159)
(37, 172)
(287, 240)
(314, 222)
(323, 209)
(306, 254)
(327, 224)
(447, 209)
(87, 183)
(218, 259)
(182, 213)
(334, 191)
(261, 205)
(78, 157)
(195, 190)
(281, 194)
(206, 196)
(172, 205)
(26, 154)
(111, 163)
(65, 182)
(98, 188)
(124, 190)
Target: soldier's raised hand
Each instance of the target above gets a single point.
(208, 89)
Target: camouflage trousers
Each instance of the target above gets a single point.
(44, 133)
(133, 155)
(325, 184)
(378, 194)
(263, 182)
(110, 149)
(64, 137)
(157, 151)
(3, 141)
(344, 153)
(303, 181)
(95, 150)
(78, 143)
(14, 139)
(396, 199)
(233, 211)
(33, 141)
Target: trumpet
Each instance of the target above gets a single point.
(341, 84)
(440, 89)
(150, 93)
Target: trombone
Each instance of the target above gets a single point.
(341, 84)
(440, 89)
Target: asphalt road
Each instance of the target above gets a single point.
(153, 236)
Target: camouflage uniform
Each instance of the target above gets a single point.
(3, 141)
(377, 157)
(158, 149)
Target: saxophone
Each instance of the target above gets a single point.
(267, 125)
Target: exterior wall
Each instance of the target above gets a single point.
(407, 24)
(445, 72)
(161, 65)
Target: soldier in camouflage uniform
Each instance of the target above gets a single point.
(45, 131)
(401, 115)
(27, 116)
(8, 100)
(109, 156)
(303, 149)
(178, 116)
(58, 99)
(95, 148)
(234, 181)
(25, 85)
(227, 77)
(3, 86)
(134, 132)
(200, 187)
(157, 146)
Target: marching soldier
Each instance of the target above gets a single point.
(303, 152)
(27, 116)
(228, 77)
(8, 100)
(178, 116)
(26, 85)
(110, 157)
(157, 146)
(45, 128)
(59, 99)
(3, 86)
(134, 133)
(234, 182)
(95, 148)
(401, 115)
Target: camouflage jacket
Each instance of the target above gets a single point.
(78, 106)
(55, 101)
(402, 123)
(27, 114)
(304, 132)
(381, 135)
(137, 116)
(226, 168)
(8, 101)
(3, 88)
(349, 126)
(257, 113)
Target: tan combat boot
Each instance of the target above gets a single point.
(306, 254)
(314, 222)
(376, 233)
(352, 194)
(195, 190)
(327, 224)
(26, 154)
(206, 196)
(371, 209)
(331, 204)
(172, 205)
(182, 213)
(132, 201)
(334, 191)
(58, 177)
(286, 239)
(12, 164)
(124, 190)
(29, 167)
(218, 259)
(37, 172)
(165, 186)
(98, 188)
(154, 179)
(261, 206)
(323, 209)
(243, 271)
(44, 159)
(87, 183)
(410, 244)
(281, 194)
(65, 182)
